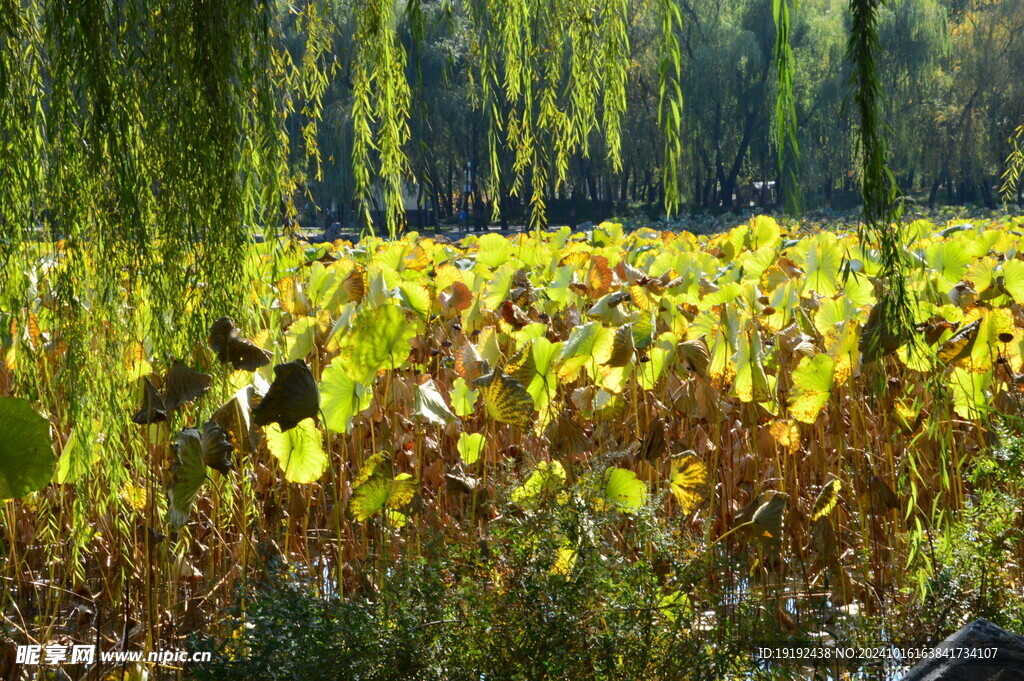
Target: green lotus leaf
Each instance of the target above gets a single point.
(822, 265)
(812, 385)
(379, 493)
(688, 480)
(498, 287)
(751, 383)
(547, 477)
(969, 388)
(430, 404)
(587, 344)
(379, 339)
(375, 465)
(299, 338)
(463, 399)
(764, 232)
(950, 259)
(188, 473)
(416, 298)
(341, 398)
(1013, 280)
(623, 490)
(471, 446)
(27, 459)
(299, 451)
(538, 371)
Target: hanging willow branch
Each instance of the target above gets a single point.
(21, 131)
(380, 111)
(616, 55)
(550, 75)
(144, 147)
(785, 107)
(1014, 165)
(882, 206)
(670, 101)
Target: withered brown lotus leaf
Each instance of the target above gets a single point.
(354, 284)
(934, 328)
(458, 481)
(232, 348)
(567, 437)
(879, 337)
(654, 444)
(235, 417)
(468, 363)
(456, 298)
(960, 344)
(623, 347)
(153, 409)
(184, 384)
(764, 515)
(216, 447)
(293, 397)
(696, 355)
(881, 496)
(513, 315)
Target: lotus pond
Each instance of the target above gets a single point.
(603, 454)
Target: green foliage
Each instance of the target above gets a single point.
(670, 100)
(146, 144)
(785, 106)
(26, 455)
(378, 340)
(142, 150)
(500, 608)
(1014, 165)
(286, 632)
(969, 561)
(188, 476)
(380, 107)
(299, 451)
(880, 192)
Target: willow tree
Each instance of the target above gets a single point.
(142, 148)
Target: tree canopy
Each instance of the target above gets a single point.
(207, 113)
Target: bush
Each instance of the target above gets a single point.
(519, 606)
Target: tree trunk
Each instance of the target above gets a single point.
(933, 192)
(451, 191)
(986, 194)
